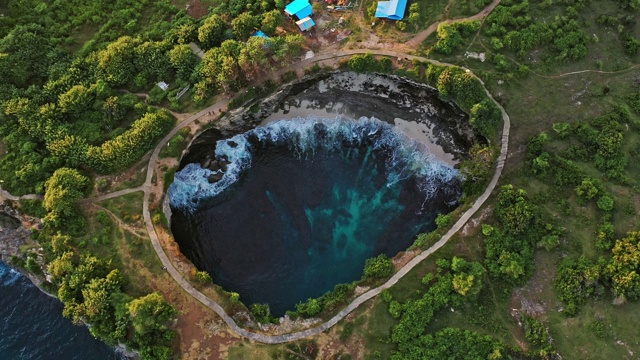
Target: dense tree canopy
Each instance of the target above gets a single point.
(63, 190)
(211, 33)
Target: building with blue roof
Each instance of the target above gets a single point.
(259, 33)
(300, 8)
(393, 10)
(305, 24)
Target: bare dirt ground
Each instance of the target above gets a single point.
(535, 298)
(196, 8)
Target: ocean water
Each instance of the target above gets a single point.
(304, 203)
(32, 325)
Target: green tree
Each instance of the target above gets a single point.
(220, 66)
(252, 58)
(468, 277)
(261, 313)
(63, 190)
(151, 60)
(511, 264)
(113, 112)
(576, 281)
(485, 116)
(270, 22)
(116, 63)
(73, 149)
(378, 267)
(624, 266)
(211, 33)
(414, 16)
(587, 189)
(451, 343)
(76, 101)
(244, 25)
(62, 266)
(25, 55)
(60, 243)
(127, 148)
(150, 317)
(98, 307)
(183, 61)
(514, 210)
(605, 202)
(186, 33)
(203, 277)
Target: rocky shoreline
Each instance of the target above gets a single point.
(371, 95)
(15, 233)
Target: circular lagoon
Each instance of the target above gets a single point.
(284, 211)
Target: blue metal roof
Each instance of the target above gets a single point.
(259, 33)
(299, 8)
(306, 11)
(393, 9)
(305, 24)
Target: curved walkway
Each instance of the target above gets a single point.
(275, 339)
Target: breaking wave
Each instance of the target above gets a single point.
(405, 157)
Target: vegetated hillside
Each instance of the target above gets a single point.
(559, 240)
(554, 252)
(79, 99)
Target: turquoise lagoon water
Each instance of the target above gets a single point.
(304, 203)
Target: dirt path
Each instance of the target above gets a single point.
(196, 50)
(111, 195)
(121, 224)
(215, 108)
(4, 194)
(424, 34)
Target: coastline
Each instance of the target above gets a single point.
(12, 239)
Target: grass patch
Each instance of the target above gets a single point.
(135, 180)
(464, 8)
(176, 145)
(378, 330)
(127, 208)
(167, 178)
(600, 331)
(430, 12)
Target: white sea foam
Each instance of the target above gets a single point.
(406, 157)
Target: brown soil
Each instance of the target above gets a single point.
(203, 335)
(195, 8)
(403, 258)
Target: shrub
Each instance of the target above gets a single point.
(451, 35)
(234, 298)
(535, 332)
(443, 221)
(378, 267)
(261, 313)
(33, 266)
(368, 63)
(202, 277)
(576, 281)
(605, 202)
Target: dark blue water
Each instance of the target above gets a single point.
(305, 204)
(32, 326)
